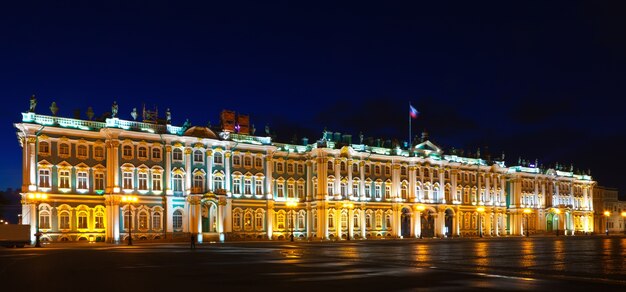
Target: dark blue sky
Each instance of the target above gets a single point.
(540, 80)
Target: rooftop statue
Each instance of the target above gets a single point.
(33, 104)
(114, 110)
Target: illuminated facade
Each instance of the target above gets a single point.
(606, 200)
(232, 186)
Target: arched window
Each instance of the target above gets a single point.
(331, 220)
(177, 220)
(156, 221)
(143, 220)
(142, 153)
(98, 152)
(355, 168)
(247, 221)
(236, 160)
(388, 222)
(259, 220)
(300, 225)
(64, 179)
(44, 219)
(99, 220)
(403, 191)
(64, 149)
(44, 147)
(142, 180)
(379, 220)
(247, 161)
(127, 151)
(368, 221)
(126, 219)
(177, 154)
(198, 156)
(178, 182)
(280, 221)
(64, 220)
(356, 220)
(247, 186)
(343, 166)
(367, 169)
(44, 178)
(330, 165)
(82, 220)
(237, 220)
(258, 185)
(81, 151)
(127, 182)
(198, 181)
(218, 182)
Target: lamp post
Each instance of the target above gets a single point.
(420, 209)
(557, 212)
(349, 206)
(37, 199)
(624, 216)
(129, 200)
(480, 211)
(527, 215)
(607, 214)
(292, 204)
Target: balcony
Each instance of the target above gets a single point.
(196, 190)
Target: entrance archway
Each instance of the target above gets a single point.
(209, 213)
(428, 224)
(405, 228)
(449, 222)
(551, 222)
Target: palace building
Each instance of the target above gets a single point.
(103, 180)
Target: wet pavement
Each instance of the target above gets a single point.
(539, 263)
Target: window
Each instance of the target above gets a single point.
(279, 166)
(127, 151)
(368, 221)
(426, 174)
(247, 161)
(143, 220)
(368, 191)
(331, 220)
(64, 220)
(156, 182)
(236, 160)
(81, 178)
(377, 191)
(290, 167)
(387, 191)
(403, 191)
(355, 168)
(343, 166)
(258, 221)
(156, 221)
(177, 185)
(98, 152)
(44, 220)
(258, 162)
(343, 188)
(258, 184)
(64, 179)
(290, 191)
(142, 180)
(218, 182)
(44, 178)
(99, 220)
(217, 158)
(388, 222)
(330, 165)
(237, 220)
(127, 219)
(156, 153)
(280, 221)
(344, 220)
(81, 151)
(198, 181)
(403, 170)
(142, 153)
(198, 156)
(387, 170)
(98, 181)
(236, 185)
(280, 190)
(355, 189)
(379, 220)
(247, 186)
(300, 169)
(64, 149)
(177, 154)
(177, 220)
(82, 220)
(329, 188)
(301, 218)
(44, 148)
(301, 191)
(127, 182)
(367, 169)
(377, 169)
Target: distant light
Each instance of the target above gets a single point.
(607, 213)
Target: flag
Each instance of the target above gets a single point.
(413, 112)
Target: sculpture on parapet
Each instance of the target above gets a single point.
(168, 116)
(33, 104)
(54, 109)
(134, 113)
(90, 113)
(114, 110)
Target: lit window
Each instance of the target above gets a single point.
(280, 190)
(81, 178)
(64, 179)
(127, 182)
(142, 180)
(247, 186)
(156, 182)
(258, 221)
(99, 220)
(177, 220)
(44, 178)
(44, 220)
(237, 220)
(236, 186)
(301, 191)
(247, 221)
(64, 220)
(143, 220)
(82, 220)
(280, 221)
(258, 184)
(156, 221)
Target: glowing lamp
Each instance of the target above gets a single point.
(527, 211)
(420, 208)
(607, 213)
(480, 209)
(624, 214)
(557, 211)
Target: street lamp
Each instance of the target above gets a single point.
(527, 214)
(557, 212)
(624, 224)
(292, 204)
(349, 206)
(607, 214)
(480, 211)
(129, 200)
(37, 199)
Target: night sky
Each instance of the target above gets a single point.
(539, 80)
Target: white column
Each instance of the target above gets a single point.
(227, 173)
(417, 225)
(309, 220)
(32, 164)
(349, 186)
(362, 182)
(363, 223)
(350, 223)
(168, 170)
(270, 219)
(412, 184)
(209, 170)
(442, 187)
(269, 167)
(220, 218)
(337, 177)
(338, 226)
(188, 171)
